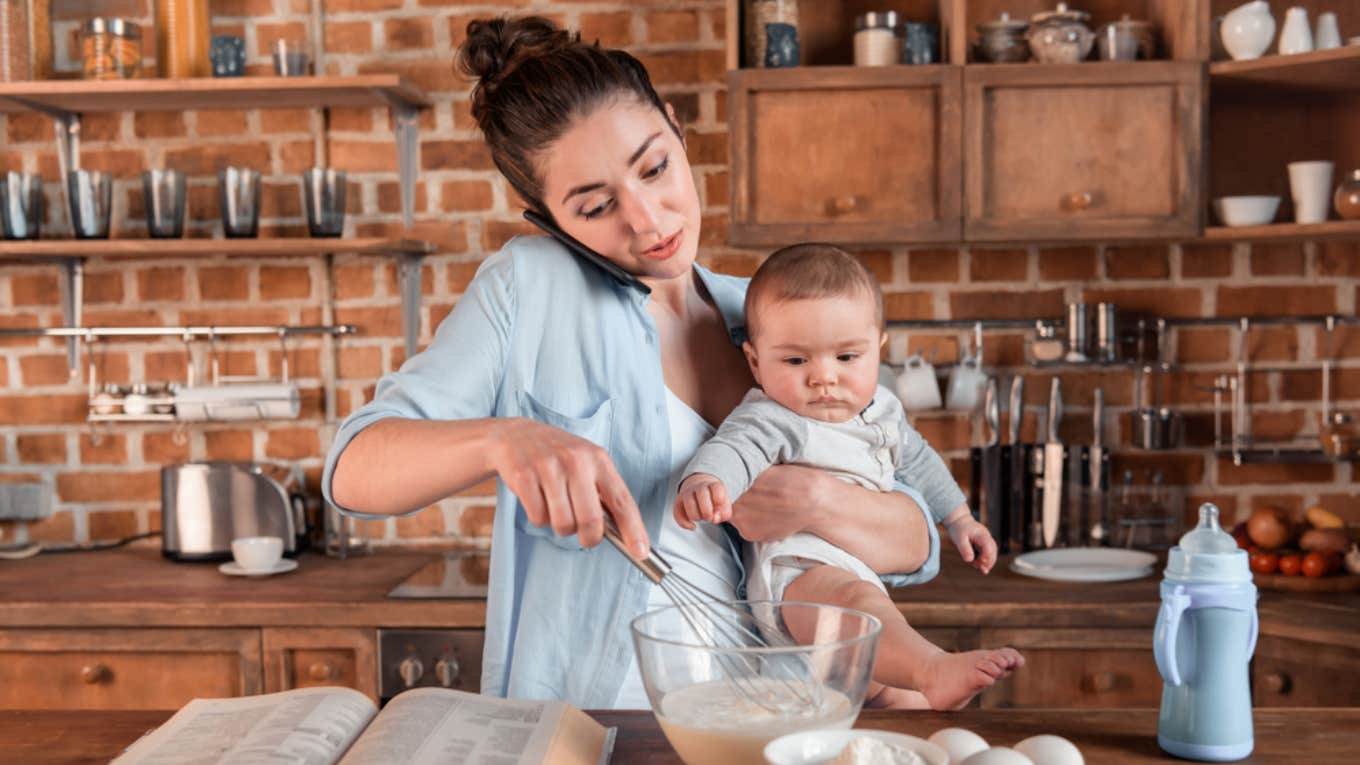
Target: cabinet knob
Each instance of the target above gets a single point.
(1077, 201)
(446, 670)
(320, 671)
(411, 671)
(1104, 682)
(842, 205)
(94, 674)
(1278, 682)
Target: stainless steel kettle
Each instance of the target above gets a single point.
(205, 505)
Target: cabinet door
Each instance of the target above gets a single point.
(303, 657)
(845, 154)
(126, 668)
(1076, 668)
(1292, 673)
(1084, 151)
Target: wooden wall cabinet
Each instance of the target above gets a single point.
(1294, 673)
(125, 668)
(844, 154)
(1085, 151)
(1076, 668)
(302, 657)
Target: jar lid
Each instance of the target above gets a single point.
(1126, 22)
(876, 20)
(1002, 23)
(116, 27)
(1061, 13)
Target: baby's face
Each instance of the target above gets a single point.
(817, 357)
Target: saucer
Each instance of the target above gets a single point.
(234, 569)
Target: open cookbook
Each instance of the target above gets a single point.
(424, 726)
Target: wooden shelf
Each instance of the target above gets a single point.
(1336, 70)
(1284, 232)
(153, 95)
(153, 248)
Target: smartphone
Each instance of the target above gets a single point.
(575, 246)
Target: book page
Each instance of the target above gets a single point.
(307, 726)
(432, 726)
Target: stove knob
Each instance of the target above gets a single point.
(446, 670)
(411, 671)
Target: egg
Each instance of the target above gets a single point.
(1050, 750)
(960, 743)
(998, 755)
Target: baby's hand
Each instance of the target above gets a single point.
(967, 534)
(701, 497)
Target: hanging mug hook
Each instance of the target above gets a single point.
(283, 350)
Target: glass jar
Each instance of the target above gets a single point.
(15, 64)
(182, 38)
(111, 49)
(1347, 197)
(760, 14)
(876, 42)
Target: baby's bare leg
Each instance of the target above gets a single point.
(905, 658)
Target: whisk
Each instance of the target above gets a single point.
(721, 625)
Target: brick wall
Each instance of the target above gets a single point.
(105, 479)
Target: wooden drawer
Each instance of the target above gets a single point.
(845, 154)
(303, 657)
(1076, 668)
(1087, 151)
(1293, 673)
(125, 668)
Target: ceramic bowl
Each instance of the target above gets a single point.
(1246, 211)
(818, 746)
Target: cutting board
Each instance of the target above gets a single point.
(1333, 583)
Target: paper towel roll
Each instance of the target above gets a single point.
(238, 401)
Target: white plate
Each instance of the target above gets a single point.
(282, 567)
(812, 747)
(1085, 564)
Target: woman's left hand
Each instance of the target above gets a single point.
(780, 503)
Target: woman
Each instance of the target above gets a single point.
(584, 388)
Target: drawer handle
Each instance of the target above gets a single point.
(320, 671)
(1077, 201)
(1278, 682)
(94, 674)
(843, 205)
(1104, 682)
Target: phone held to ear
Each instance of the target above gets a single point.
(575, 246)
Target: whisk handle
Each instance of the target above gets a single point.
(654, 567)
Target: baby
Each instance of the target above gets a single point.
(814, 318)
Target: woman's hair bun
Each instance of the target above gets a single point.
(496, 47)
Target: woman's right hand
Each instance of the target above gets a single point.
(567, 482)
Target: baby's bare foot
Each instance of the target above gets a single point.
(953, 679)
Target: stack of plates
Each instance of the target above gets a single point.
(1085, 564)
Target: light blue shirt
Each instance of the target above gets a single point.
(541, 333)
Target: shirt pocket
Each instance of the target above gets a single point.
(594, 426)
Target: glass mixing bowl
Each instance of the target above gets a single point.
(723, 703)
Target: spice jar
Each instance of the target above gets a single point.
(182, 38)
(767, 19)
(15, 65)
(876, 41)
(111, 49)
(1002, 40)
(1347, 196)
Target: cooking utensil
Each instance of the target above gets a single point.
(724, 625)
(995, 515)
(1099, 481)
(1053, 466)
(1016, 515)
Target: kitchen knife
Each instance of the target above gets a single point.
(1015, 510)
(1100, 474)
(1053, 466)
(995, 515)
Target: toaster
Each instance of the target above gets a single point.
(205, 505)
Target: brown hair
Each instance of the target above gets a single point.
(533, 80)
(812, 270)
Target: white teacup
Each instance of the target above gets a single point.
(917, 386)
(1310, 183)
(965, 384)
(257, 553)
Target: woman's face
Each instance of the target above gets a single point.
(618, 180)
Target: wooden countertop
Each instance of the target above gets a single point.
(135, 586)
(1105, 737)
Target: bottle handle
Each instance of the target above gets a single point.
(1251, 641)
(1164, 644)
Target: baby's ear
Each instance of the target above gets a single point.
(751, 360)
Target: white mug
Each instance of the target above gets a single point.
(1328, 34)
(917, 386)
(965, 384)
(1310, 184)
(257, 553)
(1295, 37)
